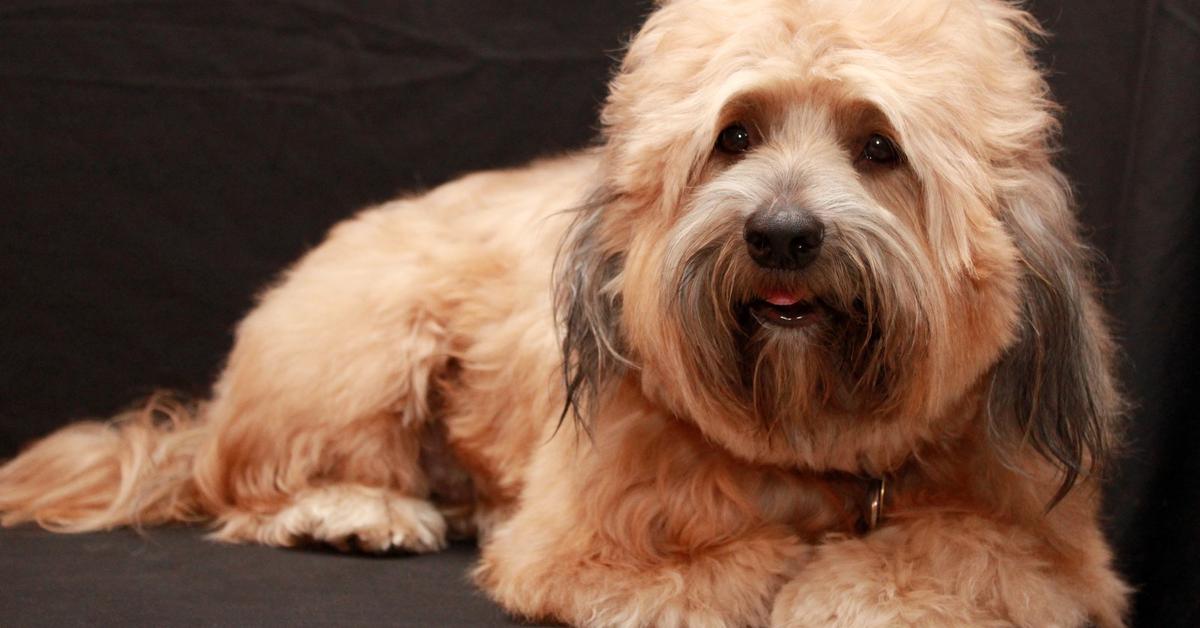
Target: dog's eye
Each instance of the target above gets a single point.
(734, 139)
(880, 150)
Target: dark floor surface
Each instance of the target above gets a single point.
(175, 577)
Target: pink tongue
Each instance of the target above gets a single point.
(783, 298)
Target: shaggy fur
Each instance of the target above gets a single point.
(405, 380)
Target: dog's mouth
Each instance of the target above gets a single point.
(789, 309)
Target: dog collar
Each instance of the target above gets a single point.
(877, 490)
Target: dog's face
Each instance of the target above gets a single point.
(830, 231)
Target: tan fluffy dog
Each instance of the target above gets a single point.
(830, 348)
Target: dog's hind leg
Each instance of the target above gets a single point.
(315, 428)
(317, 420)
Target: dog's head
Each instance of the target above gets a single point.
(829, 231)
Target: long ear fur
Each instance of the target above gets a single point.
(588, 299)
(1054, 389)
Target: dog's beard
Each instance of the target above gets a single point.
(863, 327)
(825, 367)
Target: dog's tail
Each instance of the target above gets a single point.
(135, 469)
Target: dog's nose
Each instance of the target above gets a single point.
(789, 239)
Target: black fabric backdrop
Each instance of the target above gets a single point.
(161, 160)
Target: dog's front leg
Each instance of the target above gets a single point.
(954, 570)
(643, 524)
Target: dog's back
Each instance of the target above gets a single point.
(423, 310)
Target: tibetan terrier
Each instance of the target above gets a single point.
(808, 339)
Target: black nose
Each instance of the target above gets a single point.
(788, 239)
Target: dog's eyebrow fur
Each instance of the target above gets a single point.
(854, 118)
(857, 119)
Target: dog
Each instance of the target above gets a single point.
(809, 338)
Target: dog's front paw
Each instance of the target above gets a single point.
(346, 517)
(629, 600)
(728, 587)
(868, 603)
(864, 600)
(930, 575)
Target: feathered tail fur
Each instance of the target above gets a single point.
(132, 470)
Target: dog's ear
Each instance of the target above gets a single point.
(587, 292)
(1054, 389)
